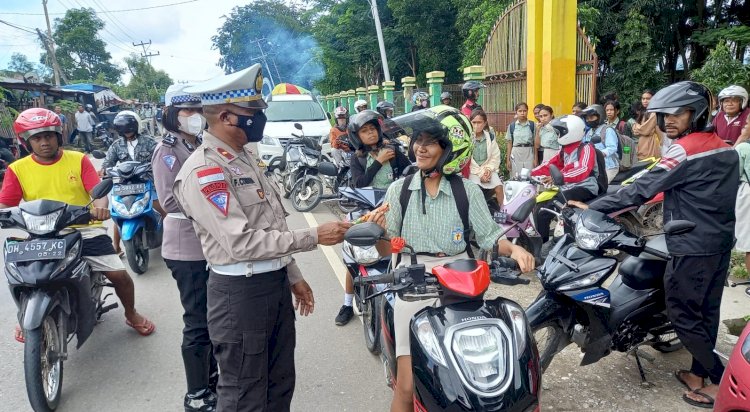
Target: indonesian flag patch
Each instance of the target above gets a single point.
(210, 175)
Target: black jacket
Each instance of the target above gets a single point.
(699, 176)
(363, 178)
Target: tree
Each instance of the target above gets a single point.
(80, 52)
(146, 84)
(721, 70)
(474, 22)
(19, 63)
(633, 63)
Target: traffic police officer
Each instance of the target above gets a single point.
(181, 249)
(241, 225)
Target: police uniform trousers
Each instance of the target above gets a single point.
(200, 365)
(693, 286)
(251, 324)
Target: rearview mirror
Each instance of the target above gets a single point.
(364, 234)
(298, 126)
(678, 227)
(524, 211)
(101, 189)
(556, 175)
(98, 154)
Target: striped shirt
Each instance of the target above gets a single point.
(440, 230)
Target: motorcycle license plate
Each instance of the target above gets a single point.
(35, 250)
(132, 189)
(500, 217)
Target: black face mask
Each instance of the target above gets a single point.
(252, 126)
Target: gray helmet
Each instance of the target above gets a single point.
(445, 95)
(594, 109)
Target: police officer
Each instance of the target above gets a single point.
(181, 249)
(241, 224)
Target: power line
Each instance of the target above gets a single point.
(116, 38)
(114, 21)
(17, 27)
(110, 11)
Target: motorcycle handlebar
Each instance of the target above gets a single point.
(657, 253)
(384, 278)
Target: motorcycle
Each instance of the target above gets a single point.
(574, 306)
(131, 207)
(734, 388)
(102, 133)
(55, 290)
(467, 353)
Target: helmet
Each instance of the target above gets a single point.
(340, 111)
(360, 119)
(89, 107)
(37, 120)
(449, 126)
(445, 95)
(358, 104)
(419, 97)
(569, 128)
(594, 109)
(470, 88)
(683, 95)
(384, 108)
(127, 122)
(734, 91)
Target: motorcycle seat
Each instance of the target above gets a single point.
(640, 274)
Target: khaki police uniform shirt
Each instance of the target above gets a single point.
(237, 213)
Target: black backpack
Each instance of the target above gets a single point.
(459, 195)
(600, 169)
(512, 130)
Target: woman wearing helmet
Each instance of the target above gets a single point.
(421, 100)
(385, 109)
(576, 161)
(733, 115)
(595, 118)
(360, 105)
(433, 222)
(338, 136)
(699, 176)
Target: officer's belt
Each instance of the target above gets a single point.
(252, 268)
(177, 215)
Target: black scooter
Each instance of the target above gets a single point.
(575, 306)
(55, 290)
(468, 353)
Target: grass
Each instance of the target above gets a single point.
(737, 265)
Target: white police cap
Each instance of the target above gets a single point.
(242, 88)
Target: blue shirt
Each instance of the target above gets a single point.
(608, 146)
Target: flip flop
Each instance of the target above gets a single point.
(18, 335)
(709, 405)
(144, 329)
(678, 376)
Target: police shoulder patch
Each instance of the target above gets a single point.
(169, 160)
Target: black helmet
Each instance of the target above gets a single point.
(360, 119)
(684, 95)
(595, 109)
(470, 89)
(125, 123)
(384, 107)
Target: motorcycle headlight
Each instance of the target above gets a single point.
(482, 351)
(270, 141)
(588, 240)
(519, 327)
(585, 281)
(40, 225)
(11, 271)
(70, 257)
(426, 337)
(365, 256)
(311, 161)
(135, 209)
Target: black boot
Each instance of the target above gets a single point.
(213, 374)
(197, 360)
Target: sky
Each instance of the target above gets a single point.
(181, 33)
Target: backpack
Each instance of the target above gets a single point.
(600, 168)
(459, 195)
(512, 130)
(626, 159)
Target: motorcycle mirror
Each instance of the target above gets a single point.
(556, 175)
(102, 189)
(364, 234)
(298, 126)
(98, 154)
(678, 227)
(524, 211)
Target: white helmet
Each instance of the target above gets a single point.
(570, 129)
(734, 91)
(358, 104)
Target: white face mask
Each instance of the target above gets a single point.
(193, 124)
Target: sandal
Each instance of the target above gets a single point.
(18, 335)
(678, 375)
(144, 329)
(706, 405)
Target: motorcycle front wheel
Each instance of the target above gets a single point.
(550, 340)
(371, 321)
(137, 253)
(43, 365)
(306, 194)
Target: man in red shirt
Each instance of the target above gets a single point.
(67, 176)
(470, 90)
(733, 115)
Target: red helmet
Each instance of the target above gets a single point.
(36, 120)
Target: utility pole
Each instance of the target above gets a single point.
(379, 31)
(51, 48)
(263, 59)
(146, 53)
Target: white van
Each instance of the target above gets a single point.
(283, 112)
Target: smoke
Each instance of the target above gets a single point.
(292, 58)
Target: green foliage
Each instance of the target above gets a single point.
(737, 265)
(19, 63)
(721, 70)
(67, 106)
(474, 22)
(146, 84)
(80, 52)
(633, 63)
